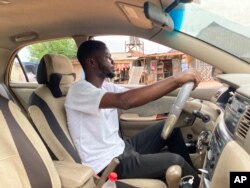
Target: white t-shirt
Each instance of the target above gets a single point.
(94, 131)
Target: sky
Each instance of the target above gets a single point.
(117, 44)
(236, 11)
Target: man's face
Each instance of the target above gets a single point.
(105, 63)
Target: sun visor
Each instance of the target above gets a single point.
(135, 15)
(157, 16)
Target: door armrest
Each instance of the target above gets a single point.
(137, 117)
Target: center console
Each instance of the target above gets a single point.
(217, 143)
(229, 127)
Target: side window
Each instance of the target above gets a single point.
(25, 64)
(139, 61)
(17, 72)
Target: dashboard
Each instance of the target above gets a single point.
(232, 126)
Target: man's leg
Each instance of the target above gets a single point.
(135, 165)
(176, 144)
(150, 141)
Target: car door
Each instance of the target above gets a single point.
(134, 120)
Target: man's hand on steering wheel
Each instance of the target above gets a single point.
(189, 80)
(190, 75)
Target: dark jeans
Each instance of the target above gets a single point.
(145, 157)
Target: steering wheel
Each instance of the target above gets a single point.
(176, 109)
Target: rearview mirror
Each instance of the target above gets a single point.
(157, 16)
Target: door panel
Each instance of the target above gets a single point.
(160, 106)
(130, 126)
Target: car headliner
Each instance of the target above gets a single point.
(56, 18)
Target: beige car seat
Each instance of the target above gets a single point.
(24, 160)
(55, 74)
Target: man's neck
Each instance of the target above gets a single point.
(97, 82)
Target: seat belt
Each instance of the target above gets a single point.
(55, 127)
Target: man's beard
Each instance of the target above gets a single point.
(107, 74)
(110, 75)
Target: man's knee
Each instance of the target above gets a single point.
(178, 160)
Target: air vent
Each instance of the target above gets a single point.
(244, 124)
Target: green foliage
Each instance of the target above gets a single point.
(66, 47)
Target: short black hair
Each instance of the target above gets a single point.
(87, 48)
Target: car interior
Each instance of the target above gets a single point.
(36, 147)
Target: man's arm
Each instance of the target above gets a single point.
(140, 96)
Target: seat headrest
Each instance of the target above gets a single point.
(56, 71)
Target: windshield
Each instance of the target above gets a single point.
(222, 23)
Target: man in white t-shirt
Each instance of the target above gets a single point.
(91, 107)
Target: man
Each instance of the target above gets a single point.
(91, 107)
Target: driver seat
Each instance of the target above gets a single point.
(55, 74)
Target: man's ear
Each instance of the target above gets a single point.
(91, 62)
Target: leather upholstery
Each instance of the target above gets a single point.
(24, 160)
(56, 71)
(173, 176)
(55, 74)
(74, 175)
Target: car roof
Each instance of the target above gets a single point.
(25, 21)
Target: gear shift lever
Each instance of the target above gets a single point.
(173, 176)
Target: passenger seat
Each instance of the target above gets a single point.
(55, 74)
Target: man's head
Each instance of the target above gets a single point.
(95, 58)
